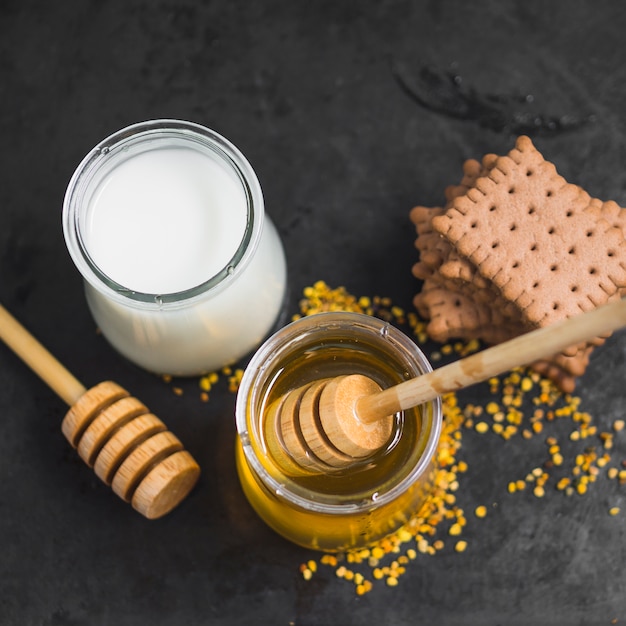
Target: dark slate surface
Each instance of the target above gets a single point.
(351, 113)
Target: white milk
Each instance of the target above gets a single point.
(165, 221)
(183, 271)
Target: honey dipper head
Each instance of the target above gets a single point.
(130, 449)
(317, 426)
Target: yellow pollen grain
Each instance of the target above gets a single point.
(364, 587)
(563, 483)
(422, 546)
(526, 384)
(329, 559)
(460, 546)
(455, 529)
(397, 312)
(378, 552)
(480, 511)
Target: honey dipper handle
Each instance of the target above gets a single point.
(59, 379)
(523, 350)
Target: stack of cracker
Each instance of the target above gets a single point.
(516, 247)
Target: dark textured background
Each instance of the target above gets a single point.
(351, 113)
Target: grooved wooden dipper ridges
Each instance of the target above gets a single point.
(330, 423)
(128, 447)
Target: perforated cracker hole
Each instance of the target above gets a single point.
(572, 250)
(492, 208)
(529, 172)
(610, 253)
(494, 245)
(589, 233)
(535, 284)
(549, 193)
(533, 247)
(555, 306)
(553, 268)
(574, 288)
(531, 210)
(592, 270)
(551, 230)
(515, 265)
(473, 224)
(513, 227)
(569, 213)
(511, 189)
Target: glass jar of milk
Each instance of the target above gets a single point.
(183, 270)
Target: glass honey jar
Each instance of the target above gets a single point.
(372, 497)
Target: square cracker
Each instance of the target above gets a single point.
(526, 230)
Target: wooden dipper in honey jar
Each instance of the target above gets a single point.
(333, 422)
(128, 447)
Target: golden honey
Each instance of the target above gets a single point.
(372, 497)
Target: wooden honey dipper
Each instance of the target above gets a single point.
(330, 423)
(128, 447)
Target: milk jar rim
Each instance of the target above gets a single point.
(270, 353)
(146, 135)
